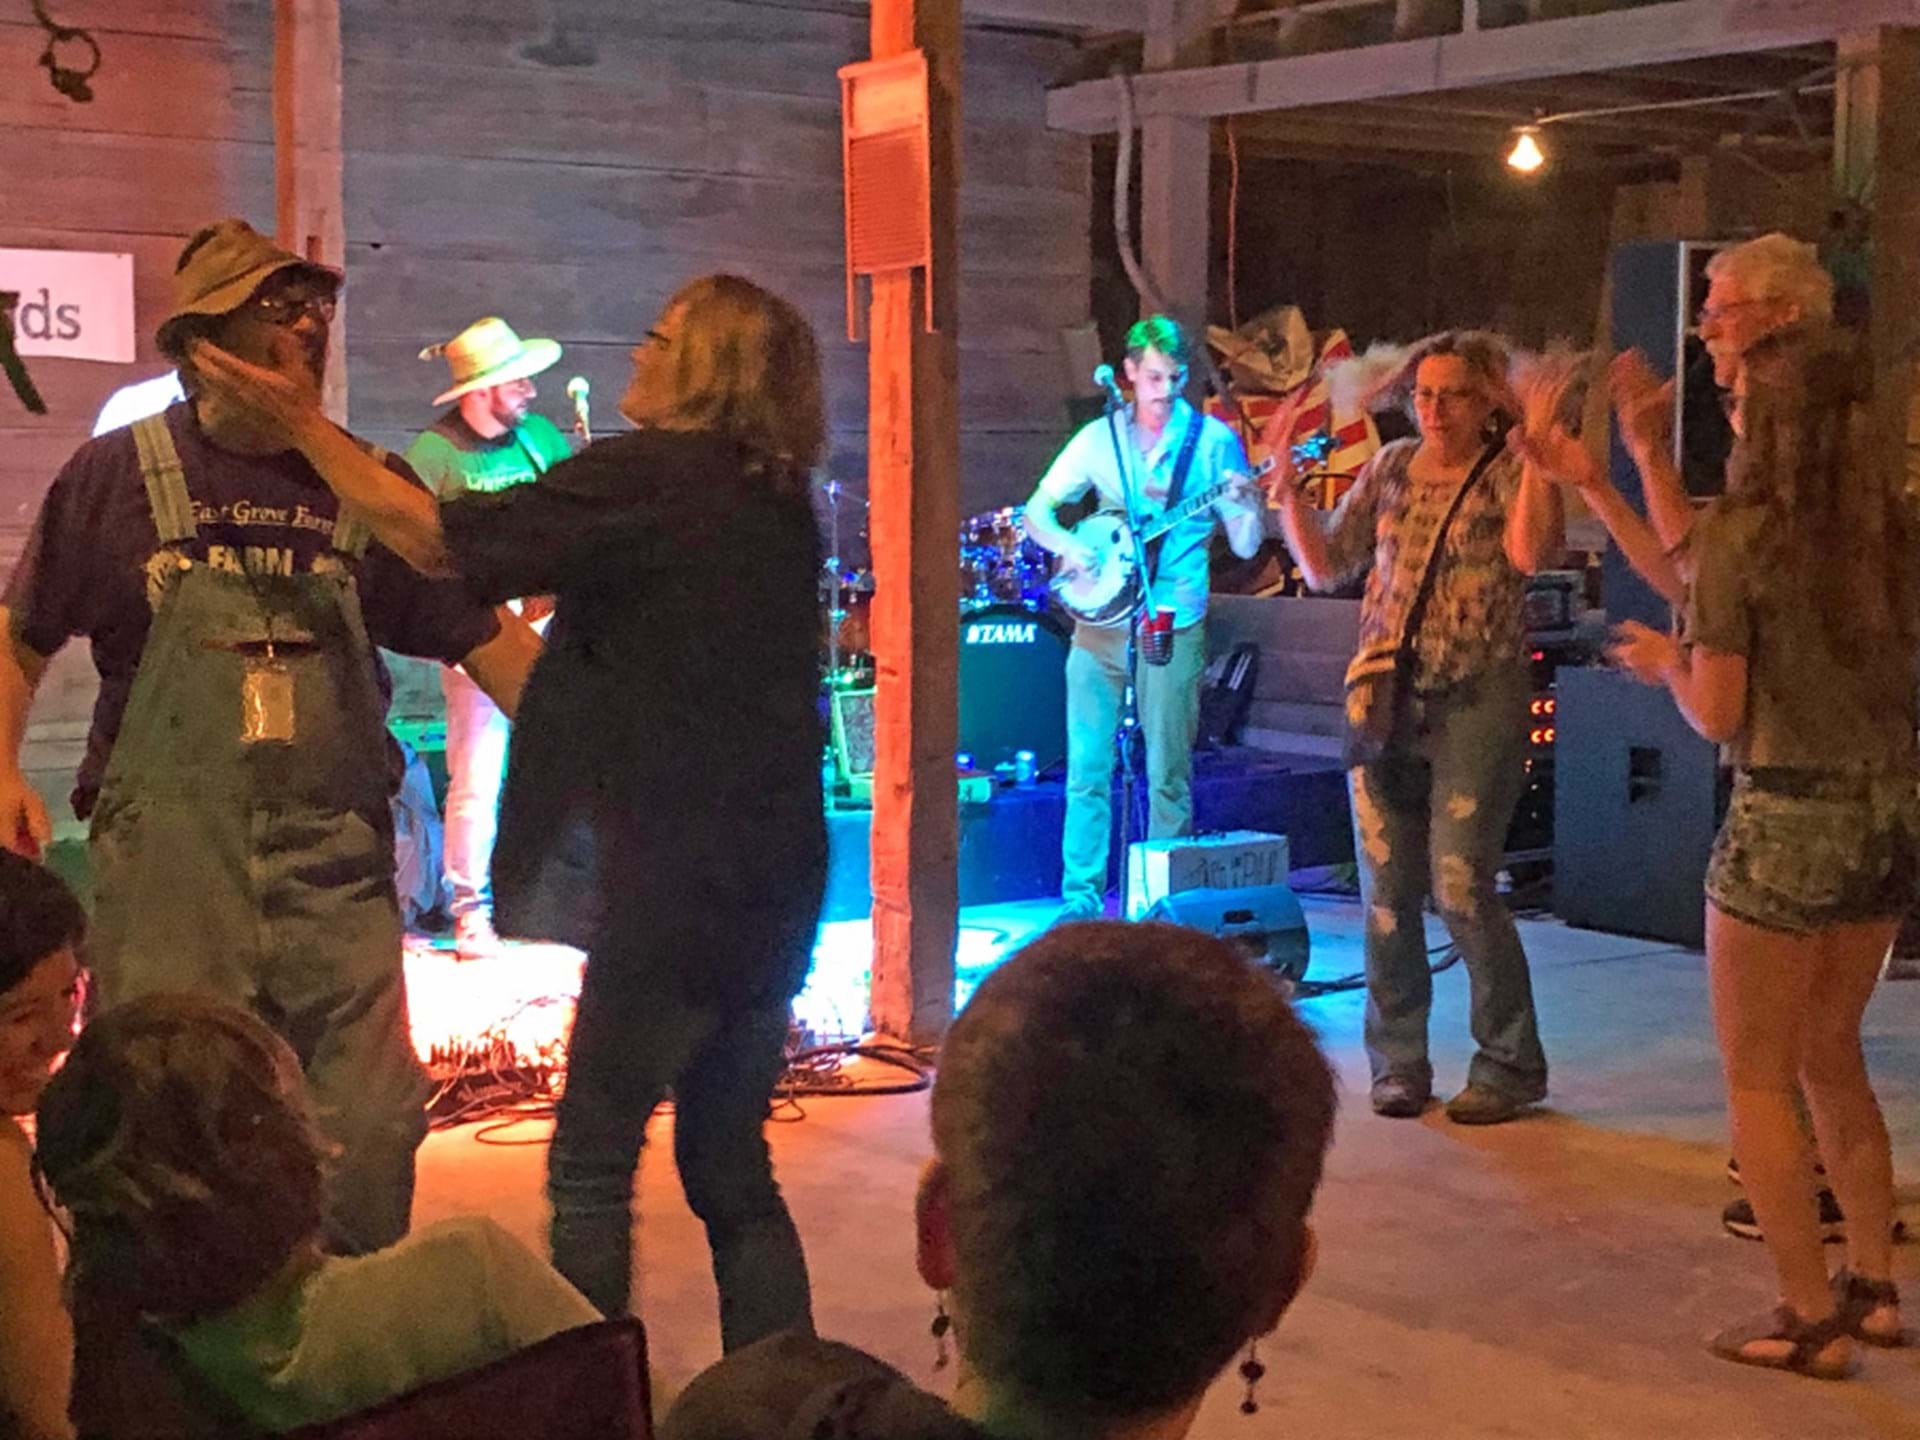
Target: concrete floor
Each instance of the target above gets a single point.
(1548, 1278)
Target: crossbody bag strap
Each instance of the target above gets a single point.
(1417, 612)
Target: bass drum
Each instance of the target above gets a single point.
(1013, 685)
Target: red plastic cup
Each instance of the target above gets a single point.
(1156, 637)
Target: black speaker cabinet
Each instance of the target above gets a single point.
(1637, 798)
(1264, 921)
(1658, 288)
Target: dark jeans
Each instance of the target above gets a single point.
(1434, 811)
(631, 1041)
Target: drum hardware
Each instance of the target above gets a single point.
(1000, 564)
(845, 595)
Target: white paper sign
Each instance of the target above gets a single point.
(77, 304)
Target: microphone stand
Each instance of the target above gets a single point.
(1129, 704)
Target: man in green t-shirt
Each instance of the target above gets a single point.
(488, 439)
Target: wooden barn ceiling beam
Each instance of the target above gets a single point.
(1081, 17)
(1677, 125)
(1680, 30)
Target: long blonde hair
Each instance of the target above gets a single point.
(744, 363)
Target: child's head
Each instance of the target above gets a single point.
(178, 1136)
(41, 926)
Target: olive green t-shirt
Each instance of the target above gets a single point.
(453, 459)
(1807, 708)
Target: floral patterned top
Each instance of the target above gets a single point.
(1385, 526)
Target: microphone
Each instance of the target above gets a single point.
(577, 389)
(1103, 377)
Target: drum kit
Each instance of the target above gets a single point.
(1013, 644)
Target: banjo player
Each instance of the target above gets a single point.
(1149, 461)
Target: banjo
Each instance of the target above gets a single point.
(1110, 592)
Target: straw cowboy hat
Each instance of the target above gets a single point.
(487, 353)
(220, 267)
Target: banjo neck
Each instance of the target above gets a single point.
(1194, 504)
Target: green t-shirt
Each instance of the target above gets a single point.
(354, 1332)
(1806, 707)
(453, 460)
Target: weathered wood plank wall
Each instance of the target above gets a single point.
(565, 164)
(165, 145)
(483, 177)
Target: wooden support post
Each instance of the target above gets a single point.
(1175, 169)
(1877, 156)
(308, 185)
(913, 483)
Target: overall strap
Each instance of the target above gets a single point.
(351, 534)
(165, 479)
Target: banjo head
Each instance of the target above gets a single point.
(1111, 594)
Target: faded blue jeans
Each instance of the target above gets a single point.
(631, 1041)
(1435, 811)
(1168, 699)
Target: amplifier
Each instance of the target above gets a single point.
(852, 715)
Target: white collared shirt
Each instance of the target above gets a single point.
(1086, 462)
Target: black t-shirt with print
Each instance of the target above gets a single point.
(84, 571)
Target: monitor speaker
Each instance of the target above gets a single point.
(1265, 921)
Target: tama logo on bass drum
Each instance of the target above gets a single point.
(1002, 632)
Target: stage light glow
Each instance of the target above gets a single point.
(1526, 156)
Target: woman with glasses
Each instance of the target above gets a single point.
(1446, 527)
(662, 805)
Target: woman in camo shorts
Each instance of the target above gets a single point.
(1799, 658)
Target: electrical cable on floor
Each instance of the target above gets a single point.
(820, 1070)
(1449, 954)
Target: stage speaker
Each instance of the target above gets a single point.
(1265, 921)
(1658, 288)
(1637, 797)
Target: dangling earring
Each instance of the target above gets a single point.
(1250, 1371)
(942, 1323)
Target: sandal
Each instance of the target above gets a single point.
(1806, 1340)
(1858, 1297)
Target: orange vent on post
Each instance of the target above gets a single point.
(884, 146)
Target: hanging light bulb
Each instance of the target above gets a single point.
(1526, 156)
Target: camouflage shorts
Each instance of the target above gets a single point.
(1802, 850)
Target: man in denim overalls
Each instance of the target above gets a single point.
(236, 778)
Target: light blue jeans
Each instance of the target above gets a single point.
(1434, 811)
(1168, 700)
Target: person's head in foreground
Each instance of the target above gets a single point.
(41, 928)
(178, 1138)
(732, 358)
(1129, 1123)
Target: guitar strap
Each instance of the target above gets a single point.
(1182, 465)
